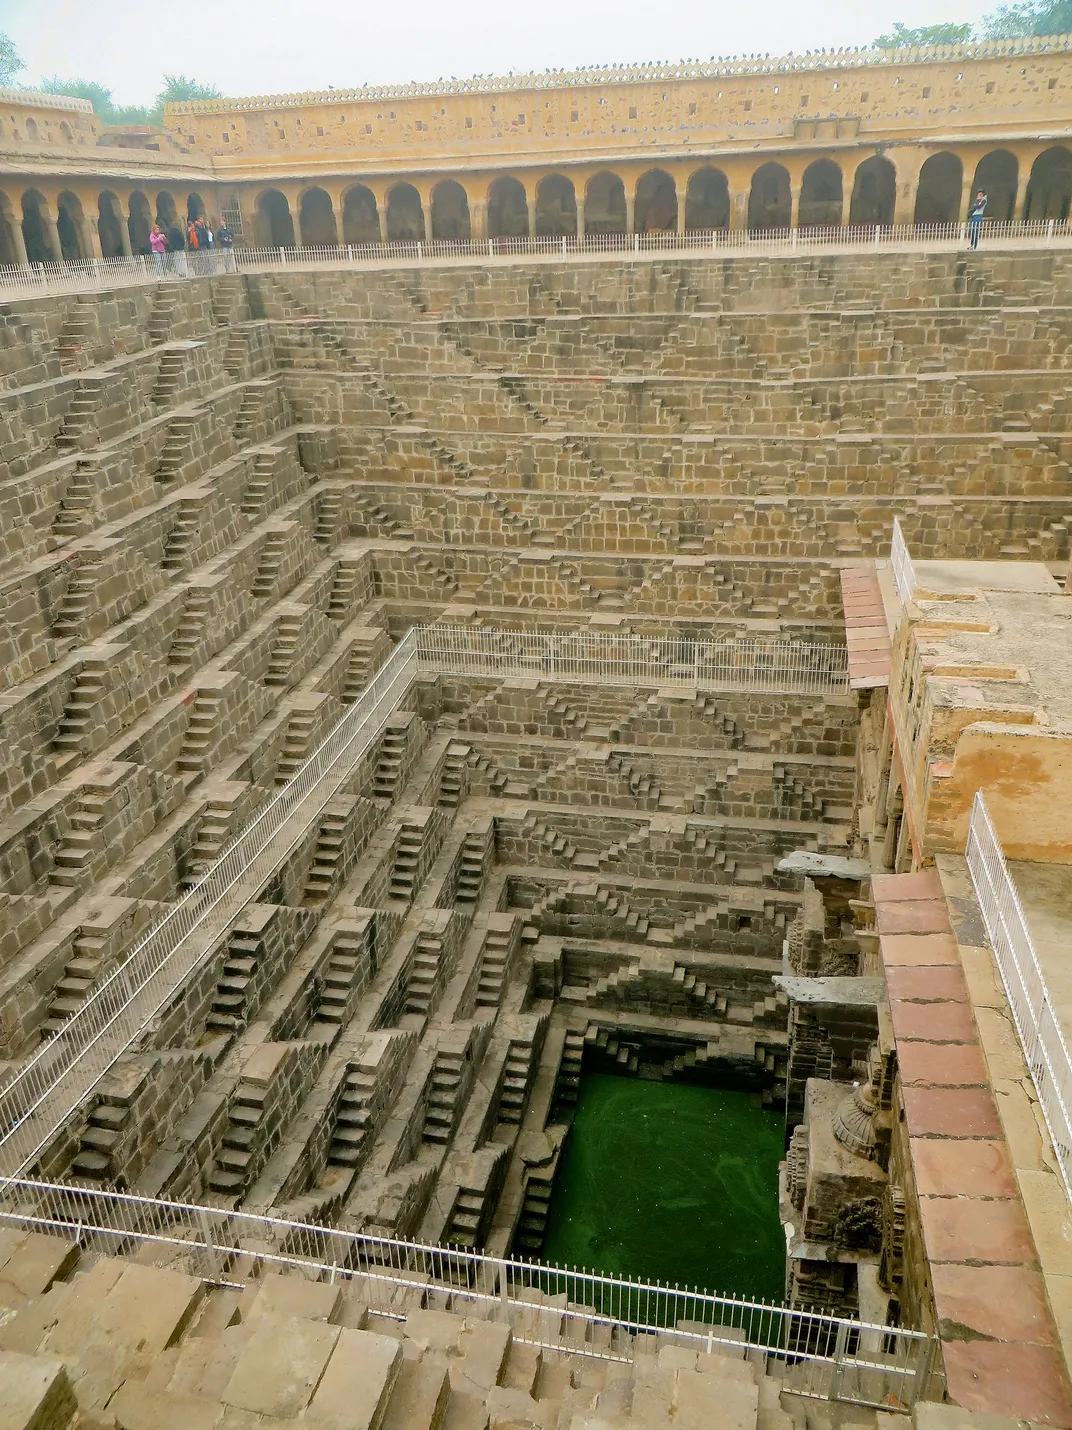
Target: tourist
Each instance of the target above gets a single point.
(159, 245)
(176, 247)
(976, 214)
(225, 243)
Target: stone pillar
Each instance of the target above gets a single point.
(965, 197)
(478, 219)
(794, 204)
(52, 233)
(630, 205)
(1022, 180)
(680, 214)
(580, 219)
(381, 214)
(531, 202)
(739, 209)
(904, 209)
(90, 237)
(18, 243)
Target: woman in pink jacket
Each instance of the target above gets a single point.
(158, 243)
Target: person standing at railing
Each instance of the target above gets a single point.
(158, 244)
(225, 244)
(176, 247)
(976, 214)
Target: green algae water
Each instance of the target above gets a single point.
(671, 1182)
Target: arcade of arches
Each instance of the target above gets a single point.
(46, 222)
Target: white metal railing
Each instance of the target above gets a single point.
(904, 573)
(92, 274)
(1045, 1050)
(749, 665)
(818, 1356)
(53, 1083)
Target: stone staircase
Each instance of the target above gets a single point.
(403, 882)
(443, 1095)
(230, 1171)
(231, 1005)
(75, 515)
(79, 428)
(72, 735)
(387, 776)
(72, 858)
(270, 566)
(288, 635)
(352, 1118)
(454, 779)
(192, 625)
(425, 973)
(183, 535)
(212, 834)
(494, 961)
(175, 452)
(169, 375)
(517, 1071)
(80, 973)
(471, 868)
(326, 871)
(343, 973)
(94, 1161)
(78, 599)
(200, 729)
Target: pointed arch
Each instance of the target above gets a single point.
(405, 215)
(450, 212)
(604, 204)
(360, 216)
(508, 208)
(770, 200)
(316, 220)
(111, 225)
(1049, 190)
(273, 223)
(707, 201)
(655, 204)
(139, 223)
(37, 228)
(822, 196)
(70, 225)
(998, 175)
(874, 193)
(941, 183)
(556, 207)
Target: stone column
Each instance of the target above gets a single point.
(18, 243)
(478, 219)
(965, 197)
(580, 219)
(680, 214)
(530, 200)
(1023, 178)
(739, 209)
(90, 236)
(52, 233)
(904, 209)
(794, 203)
(630, 205)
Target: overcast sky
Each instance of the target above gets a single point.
(264, 46)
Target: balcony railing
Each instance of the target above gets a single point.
(1043, 1043)
(904, 573)
(92, 274)
(818, 1356)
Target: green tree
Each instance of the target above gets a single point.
(176, 89)
(10, 59)
(902, 37)
(104, 107)
(1012, 21)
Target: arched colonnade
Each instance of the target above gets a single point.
(873, 189)
(49, 222)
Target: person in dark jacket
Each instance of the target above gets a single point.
(176, 242)
(225, 244)
(976, 214)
